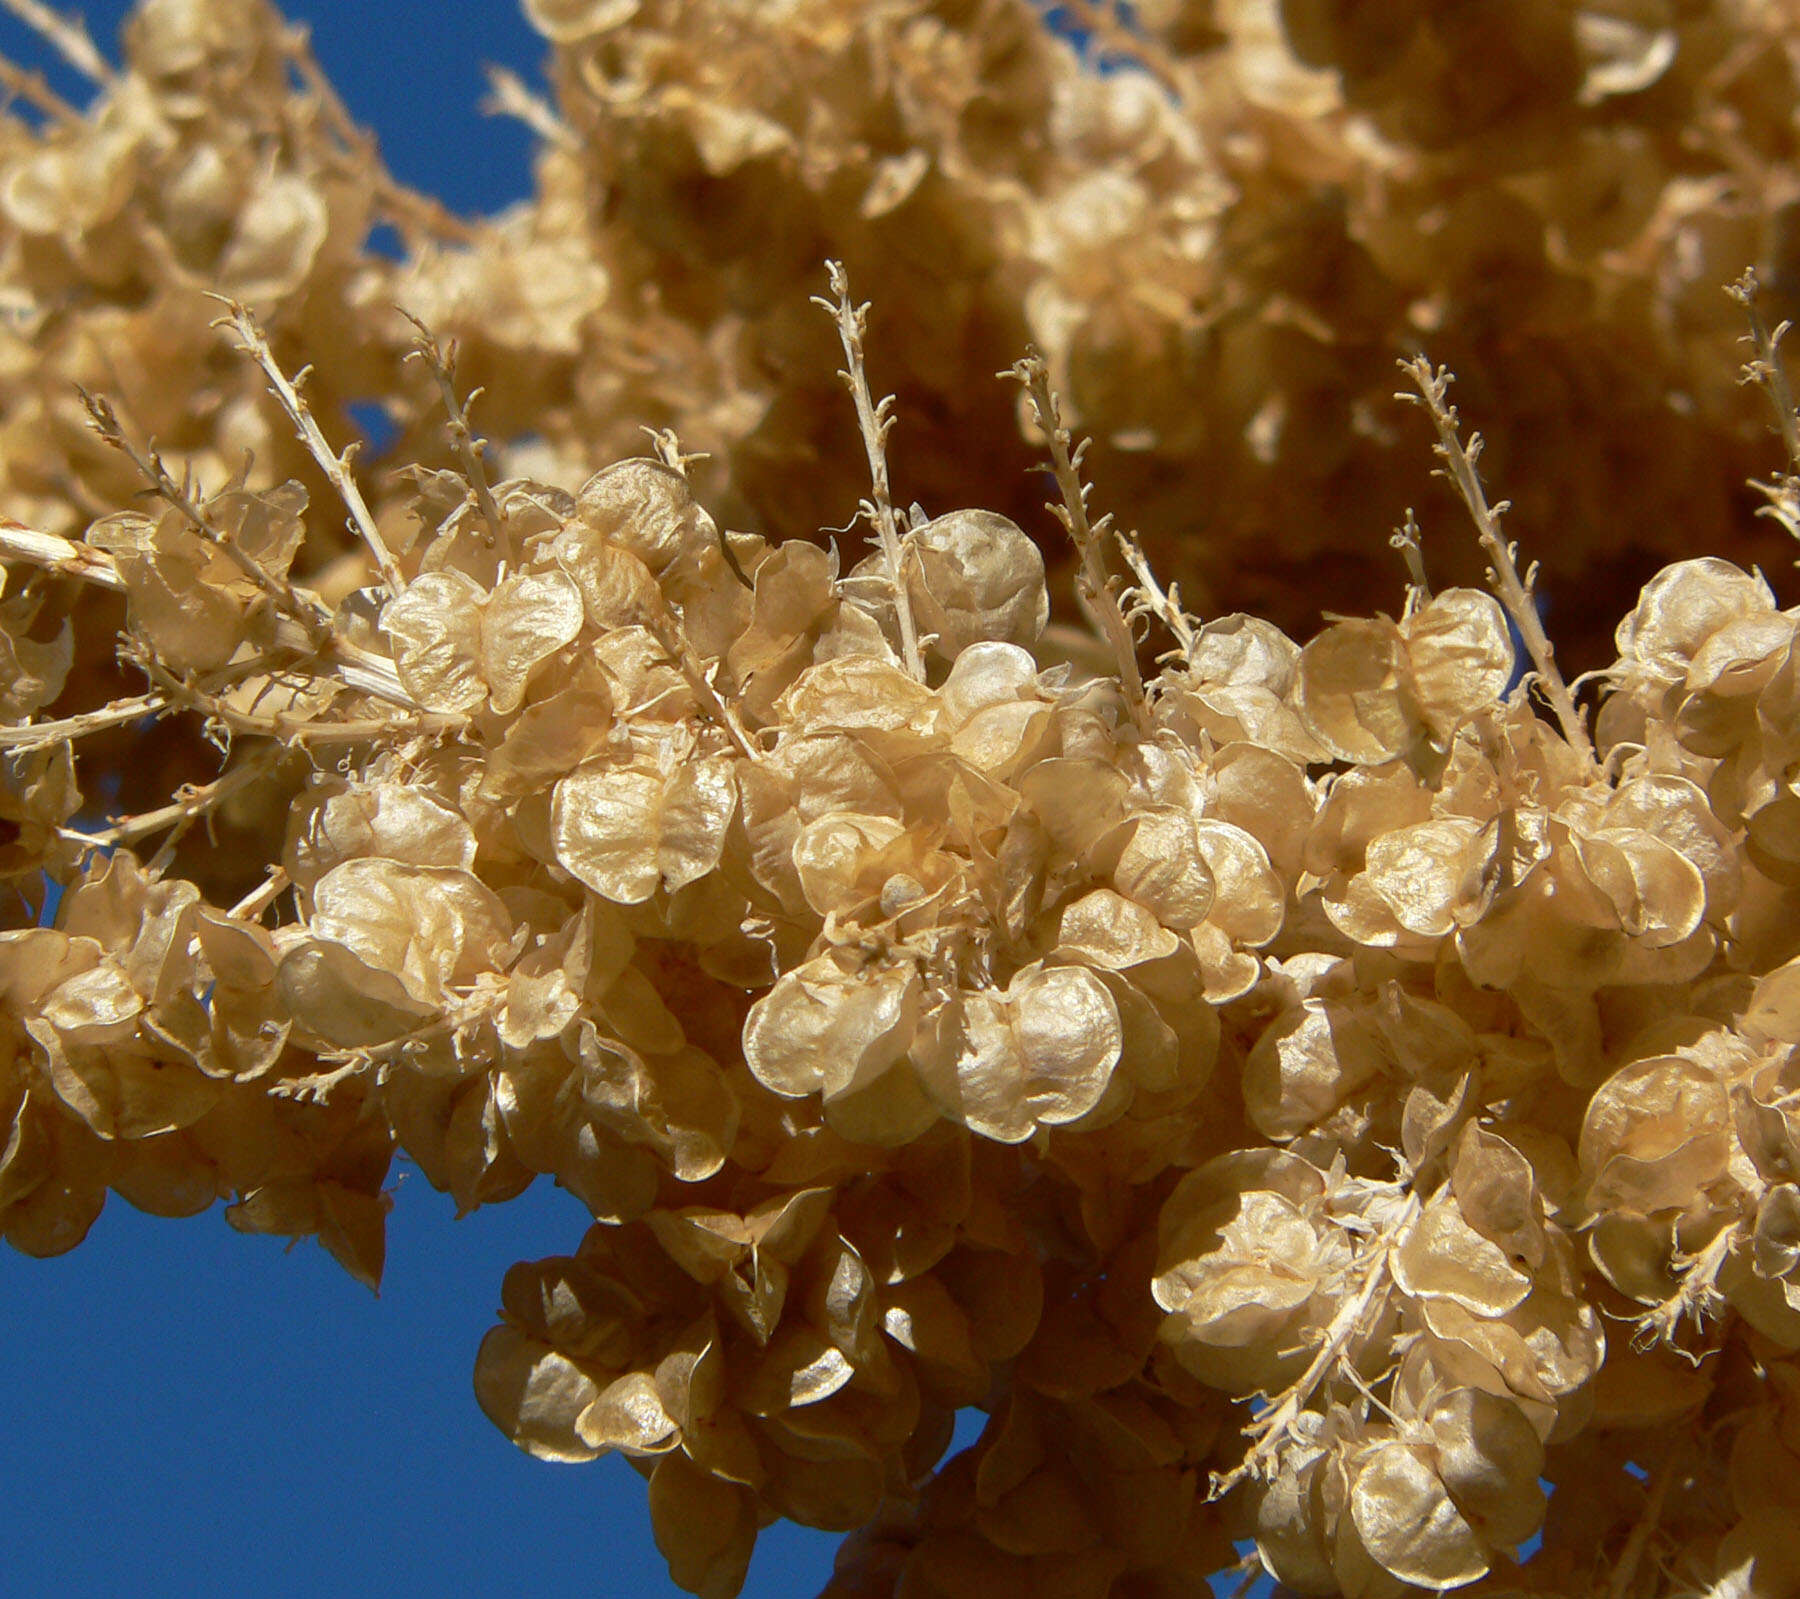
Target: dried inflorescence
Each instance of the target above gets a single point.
(1221, 222)
(1312, 1098)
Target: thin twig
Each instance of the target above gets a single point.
(1503, 575)
(1096, 586)
(509, 97)
(309, 613)
(874, 422)
(349, 664)
(32, 88)
(1407, 540)
(36, 735)
(260, 898)
(406, 207)
(191, 803)
(670, 453)
(1354, 1312)
(68, 36)
(56, 554)
(334, 464)
(1152, 599)
(442, 363)
(1766, 371)
(183, 694)
(673, 638)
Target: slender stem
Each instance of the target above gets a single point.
(1154, 600)
(406, 207)
(1765, 369)
(68, 36)
(260, 898)
(36, 735)
(442, 363)
(670, 634)
(1272, 1426)
(1503, 575)
(55, 554)
(187, 696)
(508, 97)
(190, 804)
(1407, 540)
(335, 465)
(355, 667)
(309, 613)
(1096, 586)
(874, 421)
(31, 88)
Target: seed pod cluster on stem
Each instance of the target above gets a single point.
(1330, 1105)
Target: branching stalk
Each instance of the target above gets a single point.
(1152, 599)
(180, 694)
(55, 554)
(190, 804)
(312, 617)
(260, 898)
(1766, 371)
(670, 635)
(670, 453)
(1514, 592)
(334, 464)
(33, 90)
(1098, 589)
(1407, 540)
(442, 363)
(37, 735)
(509, 97)
(1354, 1313)
(407, 208)
(67, 35)
(351, 665)
(874, 421)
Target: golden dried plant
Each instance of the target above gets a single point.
(1310, 1096)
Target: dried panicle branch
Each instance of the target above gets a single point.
(192, 803)
(416, 215)
(1097, 587)
(1408, 541)
(59, 555)
(1149, 598)
(469, 449)
(64, 729)
(1766, 371)
(1514, 591)
(508, 96)
(67, 35)
(874, 422)
(334, 464)
(1273, 1429)
(32, 88)
(307, 611)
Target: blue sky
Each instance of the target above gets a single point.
(186, 1412)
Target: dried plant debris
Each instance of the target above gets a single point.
(1326, 1093)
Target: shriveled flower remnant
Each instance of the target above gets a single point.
(1311, 1098)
